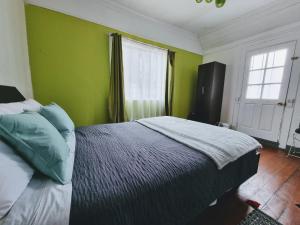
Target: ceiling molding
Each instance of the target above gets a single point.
(288, 32)
(258, 21)
(118, 17)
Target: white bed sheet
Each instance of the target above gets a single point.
(43, 202)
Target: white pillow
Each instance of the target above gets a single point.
(19, 107)
(31, 105)
(15, 173)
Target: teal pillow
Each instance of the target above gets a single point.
(58, 118)
(38, 141)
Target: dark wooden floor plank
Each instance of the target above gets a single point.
(276, 187)
(290, 191)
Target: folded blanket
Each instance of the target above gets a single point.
(220, 144)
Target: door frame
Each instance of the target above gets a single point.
(292, 88)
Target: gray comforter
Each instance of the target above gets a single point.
(127, 174)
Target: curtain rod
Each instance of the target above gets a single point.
(143, 43)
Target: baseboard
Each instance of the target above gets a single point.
(271, 144)
(296, 149)
(288, 148)
(267, 144)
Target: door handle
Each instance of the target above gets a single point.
(281, 104)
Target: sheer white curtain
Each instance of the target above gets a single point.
(144, 79)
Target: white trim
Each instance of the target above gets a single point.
(143, 43)
(117, 17)
(268, 17)
(289, 114)
(291, 30)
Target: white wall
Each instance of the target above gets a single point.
(233, 56)
(14, 62)
(228, 57)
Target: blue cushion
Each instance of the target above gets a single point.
(58, 118)
(39, 142)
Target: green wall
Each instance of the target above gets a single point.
(69, 60)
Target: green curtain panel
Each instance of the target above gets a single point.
(170, 83)
(116, 97)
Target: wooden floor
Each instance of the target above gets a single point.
(276, 186)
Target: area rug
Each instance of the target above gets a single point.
(257, 217)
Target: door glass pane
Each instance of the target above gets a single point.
(277, 58)
(256, 77)
(258, 62)
(274, 75)
(253, 91)
(271, 91)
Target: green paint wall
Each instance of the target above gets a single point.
(69, 60)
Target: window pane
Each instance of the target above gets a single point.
(256, 77)
(144, 71)
(253, 92)
(277, 58)
(271, 91)
(258, 62)
(274, 75)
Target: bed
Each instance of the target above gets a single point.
(130, 174)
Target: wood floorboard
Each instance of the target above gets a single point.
(276, 187)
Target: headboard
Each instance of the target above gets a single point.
(10, 94)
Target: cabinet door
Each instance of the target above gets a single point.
(204, 92)
(216, 93)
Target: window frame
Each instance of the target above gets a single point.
(265, 68)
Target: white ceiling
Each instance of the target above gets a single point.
(190, 15)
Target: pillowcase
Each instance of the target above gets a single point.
(31, 105)
(62, 122)
(15, 174)
(19, 107)
(37, 140)
(58, 118)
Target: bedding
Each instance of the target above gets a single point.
(129, 174)
(38, 141)
(58, 118)
(44, 202)
(230, 144)
(15, 174)
(19, 107)
(119, 179)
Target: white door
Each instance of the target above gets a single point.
(265, 86)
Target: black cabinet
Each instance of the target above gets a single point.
(208, 105)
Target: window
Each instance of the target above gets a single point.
(266, 75)
(144, 79)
